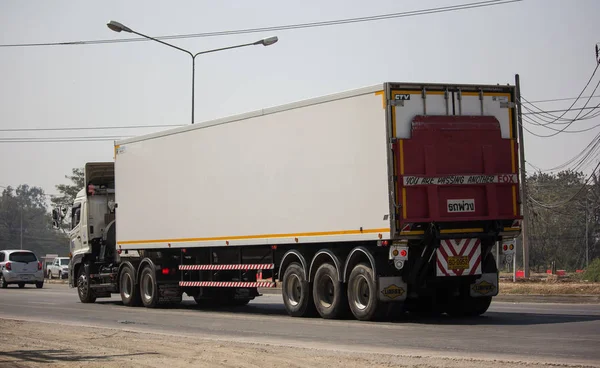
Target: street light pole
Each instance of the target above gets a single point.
(118, 27)
(21, 237)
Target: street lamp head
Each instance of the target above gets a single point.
(267, 41)
(118, 27)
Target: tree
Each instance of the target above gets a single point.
(559, 206)
(25, 222)
(69, 191)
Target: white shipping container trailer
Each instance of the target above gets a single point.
(314, 195)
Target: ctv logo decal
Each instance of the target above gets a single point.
(402, 96)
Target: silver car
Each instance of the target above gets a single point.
(20, 267)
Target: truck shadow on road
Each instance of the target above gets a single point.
(499, 319)
(492, 318)
(56, 355)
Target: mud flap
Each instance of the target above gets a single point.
(169, 293)
(486, 285)
(392, 289)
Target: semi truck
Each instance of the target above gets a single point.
(358, 204)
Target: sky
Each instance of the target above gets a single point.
(549, 43)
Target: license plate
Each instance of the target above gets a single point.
(458, 262)
(25, 277)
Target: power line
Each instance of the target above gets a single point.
(558, 99)
(580, 158)
(540, 115)
(572, 105)
(531, 121)
(411, 13)
(551, 111)
(560, 204)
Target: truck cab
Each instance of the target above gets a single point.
(92, 222)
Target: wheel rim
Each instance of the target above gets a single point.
(361, 293)
(294, 290)
(126, 286)
(325, 291)
(82, 285)
(148, 287)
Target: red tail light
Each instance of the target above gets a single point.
(165, 271)
(8, 266)
(39, 265)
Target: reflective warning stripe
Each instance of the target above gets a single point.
(470, 248)
(266, 266)
(234, 284)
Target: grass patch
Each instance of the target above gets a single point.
(545, 288)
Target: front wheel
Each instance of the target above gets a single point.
(21, 285)
(49, 275)
(86, 294)
(148, 288)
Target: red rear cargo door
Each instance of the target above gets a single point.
(455, 157)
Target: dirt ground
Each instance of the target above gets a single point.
(27, 344)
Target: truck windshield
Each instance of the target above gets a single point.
(64, 262)
(24, 257)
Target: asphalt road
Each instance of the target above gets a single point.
(550, 333)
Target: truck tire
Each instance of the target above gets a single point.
(362, 293)
(49, 274)
(297, 296)
(21, 285)
(328, 293)
(86, 294)
(130, 295)
(467, 306)
(149, 288)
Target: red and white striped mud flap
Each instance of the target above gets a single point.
(458, 257)
(231, 284)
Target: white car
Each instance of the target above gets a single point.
(58, 268)
(20, 267)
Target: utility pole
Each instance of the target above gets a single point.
(21, 226)
(524, 195)
(587, 226)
